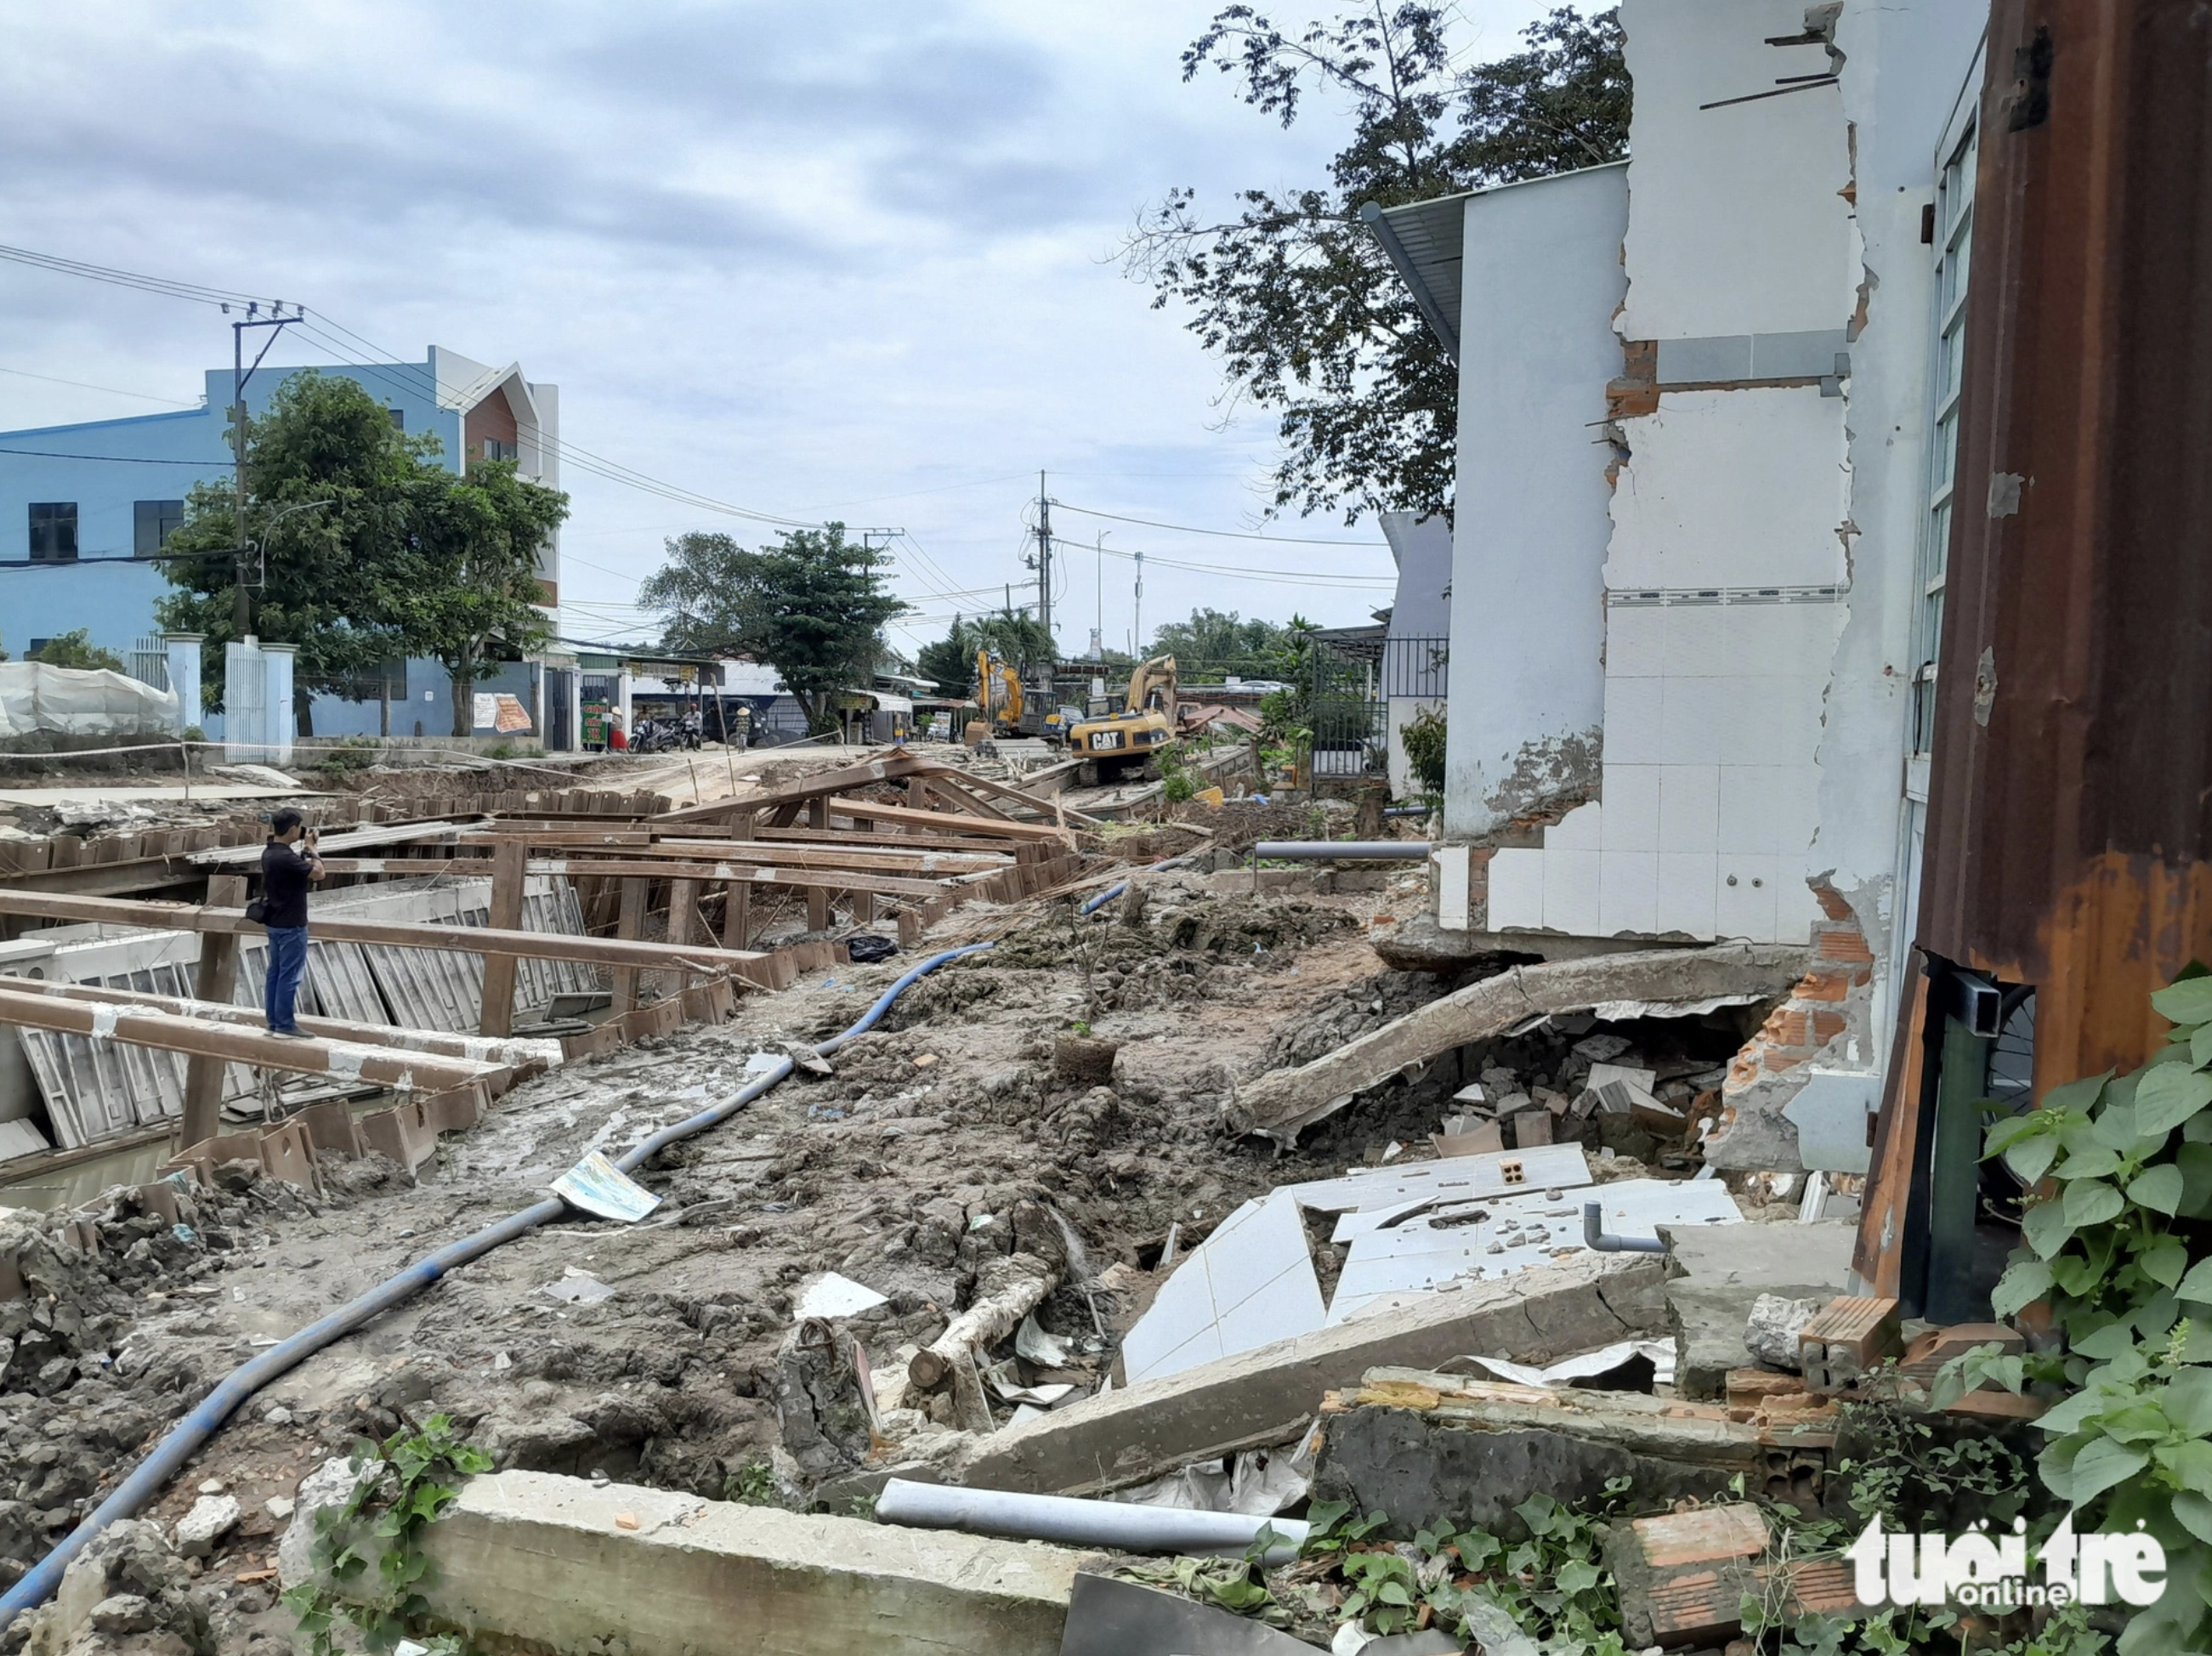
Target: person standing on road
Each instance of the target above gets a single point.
(288, 866)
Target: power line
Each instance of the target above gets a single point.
(118, 459)
(84, 384)
(1281, 577)
(1225, 534)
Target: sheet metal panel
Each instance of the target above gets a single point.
(2069, 824)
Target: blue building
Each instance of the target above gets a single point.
(85, 508)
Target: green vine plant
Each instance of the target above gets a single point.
(401, 1487)
(2121, 1170)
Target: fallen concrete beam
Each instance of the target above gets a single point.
(516, 1052)
(532, 1561)
(1267, 1397)
(1283, 1101)
(1433, 1449)
(144, 1026)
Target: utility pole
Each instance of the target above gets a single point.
(241, 601)
(1043, 567)
(1137, 632)
(1098, 631)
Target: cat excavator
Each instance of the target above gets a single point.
(1113, 742)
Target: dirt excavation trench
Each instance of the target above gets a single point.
(939, 1148)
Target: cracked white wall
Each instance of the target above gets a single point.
(1540, 282)
(1727, 580)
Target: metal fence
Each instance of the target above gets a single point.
(150, 663)
(1351, 687)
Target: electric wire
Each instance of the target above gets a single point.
(1223, 534)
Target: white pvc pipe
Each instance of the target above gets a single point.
(1121, 1525)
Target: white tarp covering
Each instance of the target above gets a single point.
(78, 702)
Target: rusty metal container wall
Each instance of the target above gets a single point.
(2069, 836)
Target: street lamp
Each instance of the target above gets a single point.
(261, 546)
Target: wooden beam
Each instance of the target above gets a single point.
(509, 875)
(961, 800)
(516, 1053)
(383, 834)
(891, 767)
(217, 980)
(467, 939)
(892, 856)
(683, 917)
(835, 879)
(144, 1026)
(938, 822)
(635, 894)
(738, 915)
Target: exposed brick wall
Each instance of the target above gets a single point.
(1817, 1010)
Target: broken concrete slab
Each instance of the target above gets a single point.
(1709, 1308)
(560, 1564)
(1432, 1448)
(1262, 1398)
(1110, 1618)
(1283, 1102)
(1497, 1238)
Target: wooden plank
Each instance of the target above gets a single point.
(634, 895)
(515, 1054)
(938, 822)
(146, 1026)
(738, 915)
(468, 939)
(840, 879)
(215, 979)
(683, 919)
(509, 875)
(351, 840)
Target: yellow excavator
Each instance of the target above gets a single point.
(1113, 742)
(998, 700)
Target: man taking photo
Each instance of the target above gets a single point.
(288, 866)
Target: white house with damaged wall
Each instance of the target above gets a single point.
(1692, 492)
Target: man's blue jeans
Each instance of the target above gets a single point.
(287, 960)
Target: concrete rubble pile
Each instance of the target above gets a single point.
(1012, 1246)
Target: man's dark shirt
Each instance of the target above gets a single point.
(284, 874)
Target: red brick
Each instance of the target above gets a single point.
(1822, 983)
(1843, 944)
(1826, 1026)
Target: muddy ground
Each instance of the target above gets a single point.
(647, 1353)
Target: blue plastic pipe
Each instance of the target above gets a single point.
(206, 1418)
(1103, 898)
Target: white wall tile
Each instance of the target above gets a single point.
(1795, 907)
(1783, 639)
(1697, 637)
(1631, 807)
(1779, 721)
(1684, 900)
(1628, 892)
(1743, 900)
(1631, 720)
(1697, 717)
(1580, 829)
(1635, 641)
(1761, 805)
(1571, 892)
(1689, 807)
(1516, 890)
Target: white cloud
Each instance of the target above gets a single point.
(838, 258)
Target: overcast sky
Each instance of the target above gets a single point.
(820, 259)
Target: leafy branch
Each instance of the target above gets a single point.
(401, 1488)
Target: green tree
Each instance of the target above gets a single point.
(76, 650)
(813, 608)
(1012, 636)
(1214, 642)
(328, 513)
(1291, 291)
(466, 590)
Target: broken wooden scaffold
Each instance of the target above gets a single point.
(894, 838)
